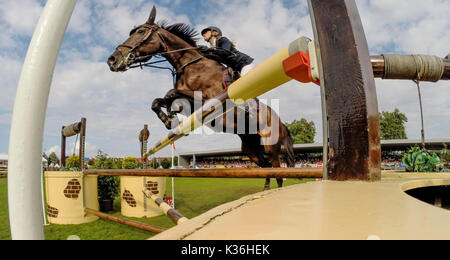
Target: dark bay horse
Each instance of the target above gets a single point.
(196, 73)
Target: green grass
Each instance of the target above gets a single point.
(4, 218)
(192, 198)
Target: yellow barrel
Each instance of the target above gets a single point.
(64, 197)
(134, 203)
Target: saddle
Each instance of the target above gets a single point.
(229, 76)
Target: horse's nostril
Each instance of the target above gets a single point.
(111, 60)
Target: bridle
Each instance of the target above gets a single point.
(131, 59)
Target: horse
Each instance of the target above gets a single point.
(197, 73)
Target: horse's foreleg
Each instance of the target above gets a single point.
(174, 109)
(251, 147)
(276, 163)
(157, 106)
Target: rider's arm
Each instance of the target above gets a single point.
(224, 43)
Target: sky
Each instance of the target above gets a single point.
(117, 105)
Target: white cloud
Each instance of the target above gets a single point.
(411, 26)
(20, 16)
(9, 78)
(117, 18)
(54, 149)
(80, 22)
(74, 148)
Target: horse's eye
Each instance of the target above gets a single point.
(140, 31)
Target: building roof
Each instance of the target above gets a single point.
(390, 145)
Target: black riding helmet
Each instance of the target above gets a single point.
(214, 29)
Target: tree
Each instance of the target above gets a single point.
(445, 155)
(303, 132)
(130, 163)
(166, 164)
(102, 161)
(393, 125)
(175, 161)
(153, 163)
(73, 162)
(118, 164)
(53, 158)
(108, 186)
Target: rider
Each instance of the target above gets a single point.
(230, 56)
(225, 49)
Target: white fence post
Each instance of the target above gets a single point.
(27, 127)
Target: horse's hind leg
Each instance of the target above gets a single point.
(270, 135)
(251, 147)
(274, 158)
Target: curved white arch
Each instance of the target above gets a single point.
(27, 127)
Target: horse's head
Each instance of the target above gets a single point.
(143, 42)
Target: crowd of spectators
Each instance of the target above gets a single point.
(210, 164)
(300, 162)
(392, 163)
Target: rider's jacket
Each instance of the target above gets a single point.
(227, 54)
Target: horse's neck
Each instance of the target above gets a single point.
(178, 59)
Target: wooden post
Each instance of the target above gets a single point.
(82, 142)
(402, 72)
(348, 79)
(63, 149)
(263, 173)
(130, 223)
(72, 130)
(175, 216)
(143, 139)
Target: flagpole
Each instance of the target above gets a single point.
(173, 180)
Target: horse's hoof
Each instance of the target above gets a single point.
(168, 125)
(266, 188)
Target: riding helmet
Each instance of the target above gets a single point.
(214, 29)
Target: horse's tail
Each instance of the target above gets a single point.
(288, 147)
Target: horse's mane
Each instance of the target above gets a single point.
(182, 30)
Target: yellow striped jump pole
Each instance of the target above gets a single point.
(267, 76)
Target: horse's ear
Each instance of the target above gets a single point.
(151, 19)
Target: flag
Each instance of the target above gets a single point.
(173, 145)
